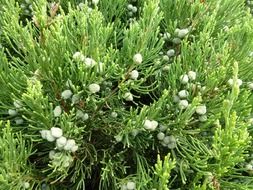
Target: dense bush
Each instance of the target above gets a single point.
(118, 94)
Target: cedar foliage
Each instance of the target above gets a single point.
(39, 40)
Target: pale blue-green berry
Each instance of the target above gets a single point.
(134, 9)
(160, 136)
(75, 99)
(131, 185)
(19, 121)
(166, 36)
(94, 88)
(183, 104)
(172, 145)
(22, 6)
(130, 14)
(61, 142)
(202, 118)
(118, 138)
(81, 115)
(231, 82)
(114, 114)
(66, 94)
(166, 58)
(154, 125)
(12, 112)
(176, 40)
(70, 144)
(182, 33)
(57, 111)
(49, 136)
(192, 75)
(56, 132)
(184, 79)
(85, 117)
(172, 142)
(26, 185)
(123, 187)
(183, 94)
(130, 7)
(148, 124)
(74, 148)
(137, 58)
(166, 67)
(44, 133)
(171, 52)
(201, 110)
(95, 2)
(78, 56)
(89, 62)
(43, 186)
(166, 140)
(81, 5)
(134, 74)
(128, 96)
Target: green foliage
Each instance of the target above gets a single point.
(104, 96)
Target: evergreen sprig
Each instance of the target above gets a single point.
(126, 94)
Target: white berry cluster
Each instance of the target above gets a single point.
(134, 74)
(79, 57)
(27, 7)
(166, 141)
(56, 134)
(132, 10)
(181, 97)
(66, 95)
(14, 112)
(130, 185)
(170, 53)
(238, 82)
(81, 115)
(179, 35)
(166, 36)
(150, 125)
(201, 111)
